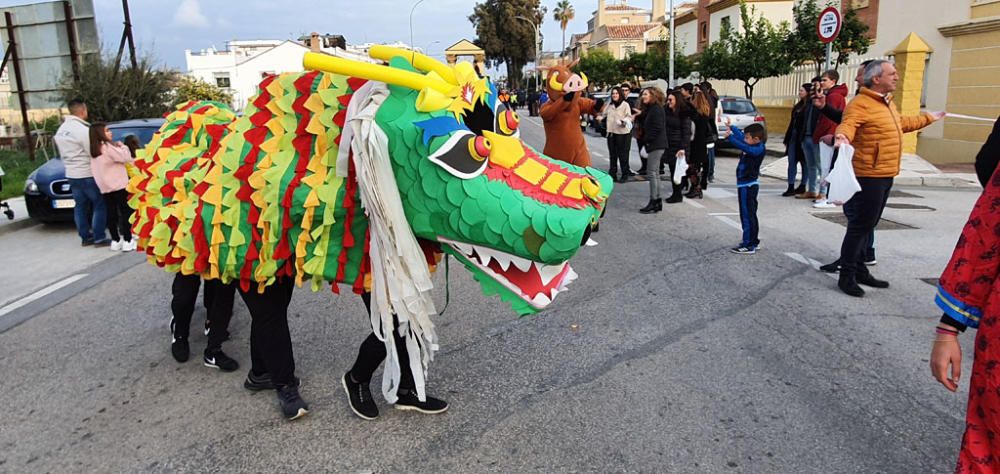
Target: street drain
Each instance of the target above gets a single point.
(884, 224)
(903, 194)
(909, 207)
(930, 281)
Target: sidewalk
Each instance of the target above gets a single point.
(914, 170)
(21, 219)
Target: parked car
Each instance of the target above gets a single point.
(736, 111)
(46, 191)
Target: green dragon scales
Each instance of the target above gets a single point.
(362, 174)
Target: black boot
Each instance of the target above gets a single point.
(789, 192)
(868, 280)
(654, 206)
(849, 284)
(676, 196)
(801, 189)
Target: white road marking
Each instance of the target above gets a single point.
(717, 193)
(596, 154)
(693, 203)
(808, 261)
(731, 223)
(41, 293)
(723, 213)
(797, 257)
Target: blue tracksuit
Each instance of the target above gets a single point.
(747, 185)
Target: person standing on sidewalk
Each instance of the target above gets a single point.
(702, 119)
(111, 176)
(678, 124)
(793, 141)
(73, 141)
(810, 150)
(618, 120)
(713, 98)
(655, 140)
(874, 127)
(836, 98)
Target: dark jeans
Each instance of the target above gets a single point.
(372, 353)
(218, 300)
(119, 227)
(270, 340)
(748, 215)
(89, 211)
(619, 146)
(863, 212)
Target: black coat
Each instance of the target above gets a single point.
(678, 130)
(654, 128)
(989, 155)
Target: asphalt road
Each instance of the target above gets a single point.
(669, 354)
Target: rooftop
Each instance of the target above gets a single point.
(635, 31)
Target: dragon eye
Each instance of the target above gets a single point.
(507, 121)
(480, 148)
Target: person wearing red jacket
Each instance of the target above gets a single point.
(836, 98)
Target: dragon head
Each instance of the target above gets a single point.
(467, 181)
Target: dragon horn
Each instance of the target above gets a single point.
(554, 82)
(420, 61)
(375, 72)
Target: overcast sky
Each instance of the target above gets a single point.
(166, 28)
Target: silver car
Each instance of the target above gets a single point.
(736, 111)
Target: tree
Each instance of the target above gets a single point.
(804, 46)
(505, 38)
(189, 88)
(563, 13)
(756, 52)
(120, 95)
(601, 68)
(658, 61)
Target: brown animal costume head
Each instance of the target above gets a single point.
(561, 79)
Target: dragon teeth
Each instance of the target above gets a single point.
(464, 248)
(541, 300)
(503, 260)
(485, 256)
(548, 272)
(522, 264)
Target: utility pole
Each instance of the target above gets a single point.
(671, 82)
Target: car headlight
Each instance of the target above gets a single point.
(30, 187)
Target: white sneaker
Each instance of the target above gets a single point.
(129, 246)
(116, 245)
(824, 205)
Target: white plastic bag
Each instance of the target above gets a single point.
(680, 169)
(843, 183)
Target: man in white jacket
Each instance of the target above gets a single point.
(73, 141)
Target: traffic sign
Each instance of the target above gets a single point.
(828, 26)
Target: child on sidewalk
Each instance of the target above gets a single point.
(751, 143)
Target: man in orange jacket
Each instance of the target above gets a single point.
(874, 127)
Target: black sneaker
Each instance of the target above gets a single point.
(359, 396)
(871, 262)
(257, 383)
(217, 359)
(868, 280)
(409, 401)
(830, 267)
(180, 349)
(744, 250)
(293, 406)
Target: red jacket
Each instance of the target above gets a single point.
(836, 97)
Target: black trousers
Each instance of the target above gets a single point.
(372, 353)
(619, 146)
(119, 212)
(670, 159)
(218, 300)
(863, 212)
(270, 340)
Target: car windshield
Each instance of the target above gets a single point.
(144, 134)
(737, 107)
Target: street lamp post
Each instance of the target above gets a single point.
(537, 50)
(671, 83)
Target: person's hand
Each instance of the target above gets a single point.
(727, 133)
(819, 100)
(938, 115)
(827, 139)
(841, 140)
(946, 361)
(680, 153)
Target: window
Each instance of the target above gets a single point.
(725, 23)
(628, 50)
(624, 20)
(222, 80)
(858, 4)
(703, 31)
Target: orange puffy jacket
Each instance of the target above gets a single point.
(873, 126)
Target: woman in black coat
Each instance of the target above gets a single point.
(678, 124)
(701, 116)
(655, 140)
(793, 141)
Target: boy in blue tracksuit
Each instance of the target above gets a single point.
(750, 141)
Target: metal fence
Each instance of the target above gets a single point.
(784, 90)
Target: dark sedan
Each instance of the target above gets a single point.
(46, 191)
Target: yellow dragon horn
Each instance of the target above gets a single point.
(417, 60)
(375, 72)
(554, 82)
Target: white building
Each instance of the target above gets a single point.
(240, 68)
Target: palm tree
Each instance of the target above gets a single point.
(563, 14)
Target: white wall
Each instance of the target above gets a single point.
(687, 34)
(775, 12)
(245, 73)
